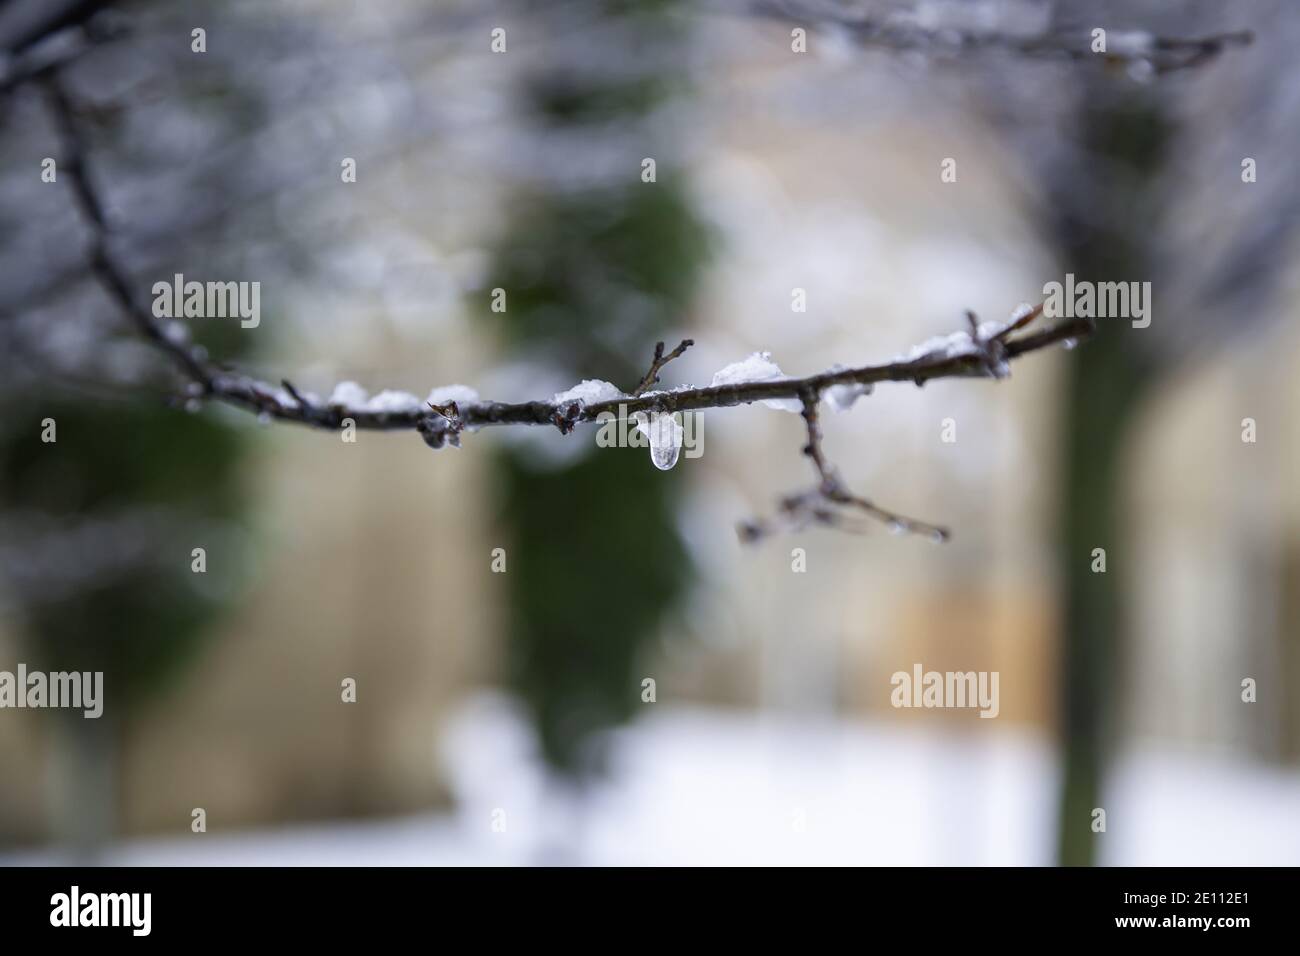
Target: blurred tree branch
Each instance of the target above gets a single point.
(1130, 49)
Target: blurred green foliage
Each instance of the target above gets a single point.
(596, 560)
(140, 623)
(596, 563)
(130, 456)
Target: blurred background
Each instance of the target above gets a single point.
(500, 716)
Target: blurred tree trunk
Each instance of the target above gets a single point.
(1102, 385)
(1101, 235)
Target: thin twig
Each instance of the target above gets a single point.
(659, 361)
(810, 400)
(821, 505)
(1017, 323)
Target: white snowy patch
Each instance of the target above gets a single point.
(841, 397)
(963, 343)
(589, 391)
(460, 394)
(1020, 311)
(942, 346)
(676, 772)
(392, 401)
(348, 395)
(759, 367)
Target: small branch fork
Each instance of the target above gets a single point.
(659, 361)
(829, 503)
(826, 504)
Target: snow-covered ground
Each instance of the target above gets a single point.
(726, 787)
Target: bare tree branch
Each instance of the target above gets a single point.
(982, 351)
(103, 263)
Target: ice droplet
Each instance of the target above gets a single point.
(1068, 344)
(665, 434)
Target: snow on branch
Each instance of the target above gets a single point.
(982, 350)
